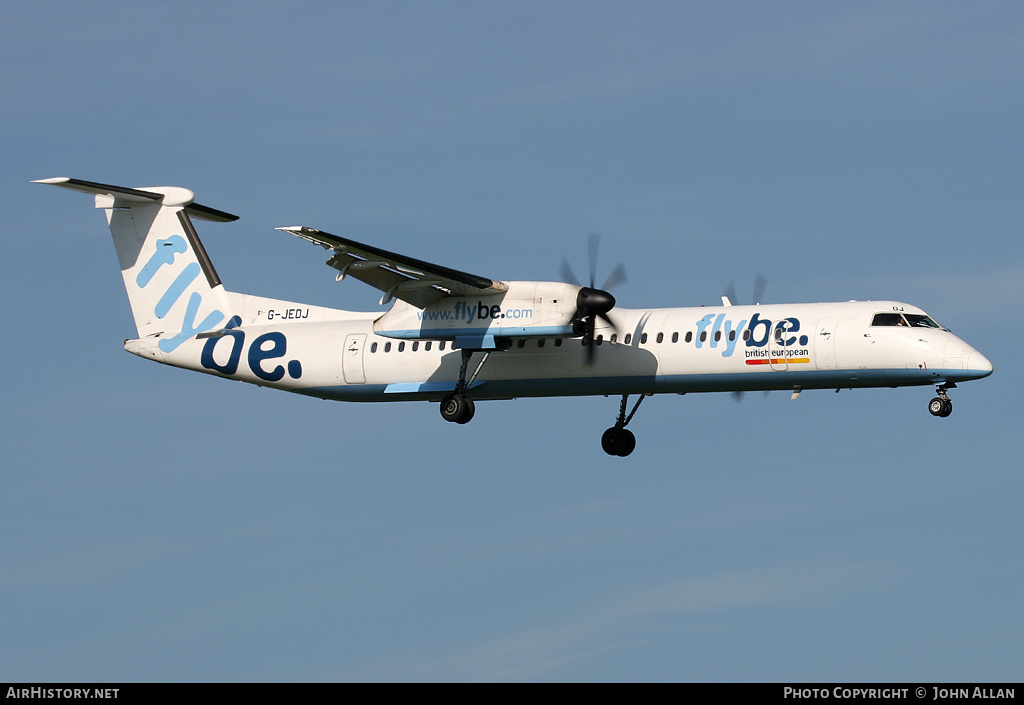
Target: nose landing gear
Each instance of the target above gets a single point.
(941, 406)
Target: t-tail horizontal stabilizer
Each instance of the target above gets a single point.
(123, 196)
(172, 286)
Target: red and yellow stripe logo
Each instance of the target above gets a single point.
(779, 361)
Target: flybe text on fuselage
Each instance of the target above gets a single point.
(760, 336)
(264, 348)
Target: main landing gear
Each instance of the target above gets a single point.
(941, 406)
(457, 407)
(618, 440)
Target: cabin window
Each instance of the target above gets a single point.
(558, 342)
(521, 342)
(416, 346)
(373, 347)
(732, 335)
(540, 343)
(629, 338)
(661, 337)
(440, 346)
(387, 347)
(614, 338)
(746, 334)
(401, 346)
(689, 336)
(675, 337)
(599, 339)
(703, 335)
(718, 335)
(426, 346)
(643, 338)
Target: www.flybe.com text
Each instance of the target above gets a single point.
(479, 311)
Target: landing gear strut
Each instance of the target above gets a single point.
(618, 440)
(941, 406)
(457, 407)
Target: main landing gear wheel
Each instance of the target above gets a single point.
(941, 407)
(618, 441)
(457, 408)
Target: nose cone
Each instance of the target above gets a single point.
(978, 365)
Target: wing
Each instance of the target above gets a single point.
(416, 282)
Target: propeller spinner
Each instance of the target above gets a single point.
(592, 303)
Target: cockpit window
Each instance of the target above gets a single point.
(888, 319)
(918, 320)
(909, 320)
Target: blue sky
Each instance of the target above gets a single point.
(159, 525)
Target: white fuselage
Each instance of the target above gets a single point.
(455, 337)
(339, 355)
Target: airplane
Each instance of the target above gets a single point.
(458, 338)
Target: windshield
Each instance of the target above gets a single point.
(908, 320)
(919, 320)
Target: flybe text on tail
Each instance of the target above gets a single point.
(164, 256)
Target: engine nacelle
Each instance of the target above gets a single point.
(527, 309)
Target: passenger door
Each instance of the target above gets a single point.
(352, 358)
(825, 343)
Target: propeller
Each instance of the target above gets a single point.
(592, 303)
(738, 396)
(760, 284)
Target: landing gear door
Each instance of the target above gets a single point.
(825, 343)
(352, 358)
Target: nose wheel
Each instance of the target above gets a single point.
(941, 406)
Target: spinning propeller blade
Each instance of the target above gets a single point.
(592, 303)
(760, 284)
